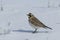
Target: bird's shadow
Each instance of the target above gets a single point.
(30, 31)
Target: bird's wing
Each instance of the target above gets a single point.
(36, 22)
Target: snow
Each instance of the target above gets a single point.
(14, 21)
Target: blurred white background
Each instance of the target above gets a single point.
(14, 12)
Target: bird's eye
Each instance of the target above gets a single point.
(30, 15)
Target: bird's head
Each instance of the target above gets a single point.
(30, 15)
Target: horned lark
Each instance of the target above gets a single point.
(34, 22)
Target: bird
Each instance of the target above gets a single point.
(36, 23)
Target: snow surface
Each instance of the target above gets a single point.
(14, 21)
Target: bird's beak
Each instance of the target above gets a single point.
(27, 14)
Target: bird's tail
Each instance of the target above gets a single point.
(48, 28)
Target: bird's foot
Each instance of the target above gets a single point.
(34, 32)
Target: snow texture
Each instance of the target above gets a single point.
(14, 21)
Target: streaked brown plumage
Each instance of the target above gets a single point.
(34, 21)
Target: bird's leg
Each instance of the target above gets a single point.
(35, 30)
